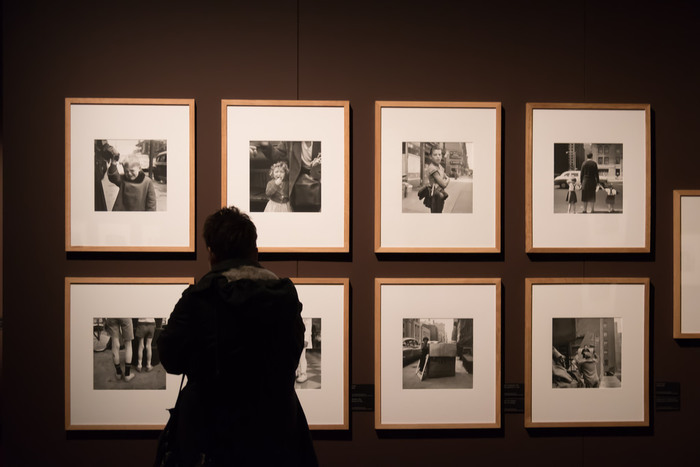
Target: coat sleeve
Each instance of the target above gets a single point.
(150, 196)
(113, 175)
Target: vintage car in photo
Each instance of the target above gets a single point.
(411, 350)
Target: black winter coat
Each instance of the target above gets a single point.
(237, 334)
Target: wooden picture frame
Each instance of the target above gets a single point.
(586, 352)
(323, 391)
(458, 324)
(562, 139)
(307, 208)
(112, 209)
(467, 211)
(95, 397)
(686, 257)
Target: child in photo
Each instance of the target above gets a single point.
(438, 180)
(145, 329)
(571, 197)
(610, 193)
(277, 189)
(136, 191)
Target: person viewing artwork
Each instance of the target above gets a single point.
(239, 406)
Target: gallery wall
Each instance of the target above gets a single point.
(361, 51)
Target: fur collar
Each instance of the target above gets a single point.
(248, 272)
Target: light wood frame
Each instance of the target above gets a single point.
(340, 397)
(494, 404)
(185, 240)
(639, 222)
(679, 252)
(337, 223)
(480, 119)
(164, 399)
(639, 395)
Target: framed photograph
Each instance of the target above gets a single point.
(437, 177)
(686, 264)
(448, 373)
(588, 178)
(114, 378)
(286, 163)
(138, 192)
(586, 352)
(322, 376)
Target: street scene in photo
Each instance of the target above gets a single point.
(131, 175)
(438, 353)
(308, 374)
(437, 177)
(285, 176)
(586, 352)
(125, 355)
(588, 178)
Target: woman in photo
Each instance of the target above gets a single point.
(589, 182)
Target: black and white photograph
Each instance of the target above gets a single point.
(586, 352)
(131, 175)
(588, 178)
(122, 192)
(437, 177)
(114, 377)
(437, 158)
(285, 176)
(322, 371)
(438, 353)
(287, 163)
(125, 354)
(308, 374)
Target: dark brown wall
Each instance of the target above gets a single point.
(512, 52)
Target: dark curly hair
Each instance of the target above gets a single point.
(230, 234)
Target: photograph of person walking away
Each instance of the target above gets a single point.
(586, 352)
(588, 168)
(237, 334)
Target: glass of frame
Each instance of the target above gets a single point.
(322, 376)
(447, 374)
(97, 398)
(138, 192)
(686, 258)
(586, 352)
(587, 178)
(286, 163)
(437, 169)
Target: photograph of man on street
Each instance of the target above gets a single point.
(586, 352)
(285, 176)
(123, 353)
(437, 177)
(438, 353)
(588, 178)
(308, 374)
(131, 175)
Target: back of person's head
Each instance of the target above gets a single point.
(230, 234)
